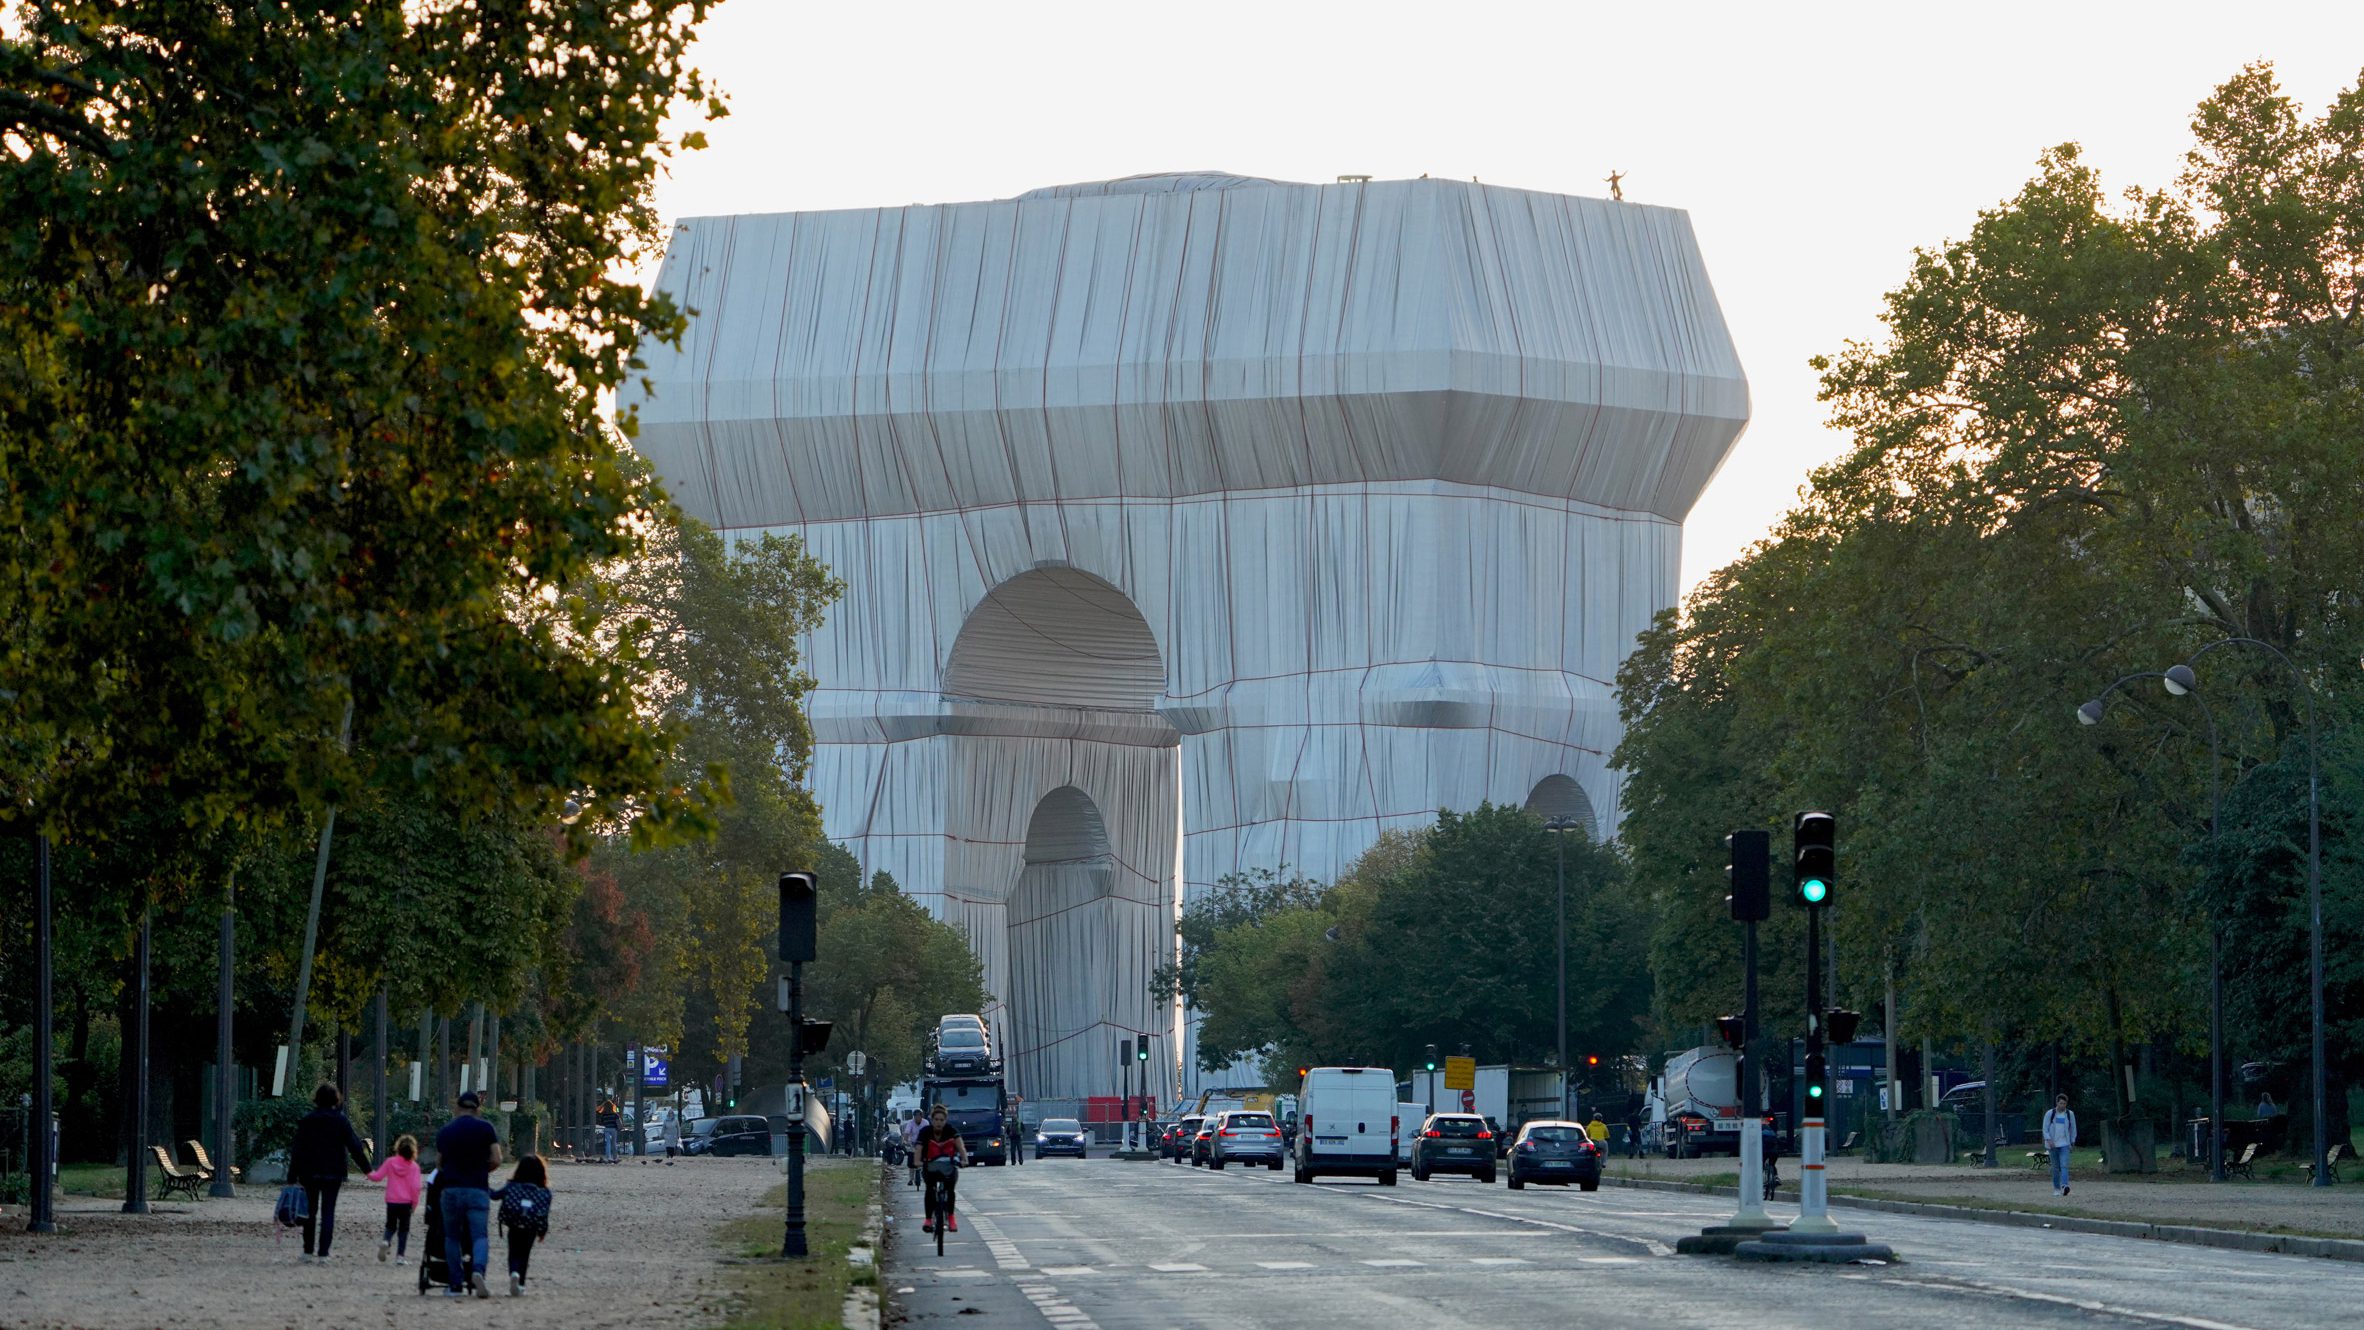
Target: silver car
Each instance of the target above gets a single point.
(1246, 1136)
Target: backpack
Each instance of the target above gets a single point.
(526, 1206)
(293, 1207)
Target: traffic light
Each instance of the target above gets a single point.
(799, 934)
(1432, 1057)
(1141, 1049)
(1815, 864)
(1842, 1024)
(1124, 1050)
(1750, 874)
(1592, 1059)
(1734, 1029)
(1817, 1076)
(814, 1037)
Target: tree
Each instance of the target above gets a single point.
(307, 312)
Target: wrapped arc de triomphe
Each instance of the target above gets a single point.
(1193, 524)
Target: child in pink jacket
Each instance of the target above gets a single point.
(400, 1173)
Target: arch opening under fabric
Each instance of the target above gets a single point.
(1062, 914)
(1560, 796)
(1057, 637)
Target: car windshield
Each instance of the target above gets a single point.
(1263, 1120)
(1443, 1126)
(702, 1127)
(1556, 1135)
(1061, 1124)
(962, 1036)
(968, 1098)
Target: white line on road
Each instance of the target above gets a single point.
(1498, 1260)
(1178, 1268)
(1393, 1264)
(1975, 1289)
(1284, 1265)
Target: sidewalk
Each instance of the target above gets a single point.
(2173, 1195)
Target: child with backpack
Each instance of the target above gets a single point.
(525, 1212)
(400, 1173)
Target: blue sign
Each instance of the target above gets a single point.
(655, 1069)
(827, 1083)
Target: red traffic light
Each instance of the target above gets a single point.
(1734, 1029)
(1592, 1059)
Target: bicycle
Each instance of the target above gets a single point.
(939, 1203)
(1772, 1177)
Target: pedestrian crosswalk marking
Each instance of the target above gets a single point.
(1394, 1263)
(1284, 1265)
(1178, 1268)
(1497, 1260)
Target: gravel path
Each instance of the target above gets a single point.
(630, 1245)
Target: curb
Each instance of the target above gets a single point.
(2228, 1239)
(861, 1310)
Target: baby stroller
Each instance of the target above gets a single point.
(434, 1271)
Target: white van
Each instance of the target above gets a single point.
(1348, 1124)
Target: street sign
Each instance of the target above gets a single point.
(1469, 1101)
(655, 1069)
(1461, 1073)
(855, 1062)
(795, 1103)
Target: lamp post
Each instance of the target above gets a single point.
(2090, 714)
(2180, 680)
(1559, 827)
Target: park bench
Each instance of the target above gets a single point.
(171, 1177)
(2244, 1164)
(205, 1168)
(2039, 1158)
(1854, 1138)
(2331, 1160)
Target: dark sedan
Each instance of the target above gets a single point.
(1059, 1136)
(1177, 1142)
(1202, 1140)
(1555, 1152)
(1453, 1143)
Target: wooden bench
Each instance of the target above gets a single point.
(2244, 1164)
(2039, 1158)
(1854, 1138)
(2331, 1158)
(205, 1166)
(171, 1177)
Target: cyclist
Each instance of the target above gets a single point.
(940, 1142)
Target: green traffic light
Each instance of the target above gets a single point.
(1815, 890)
(1814, 1092)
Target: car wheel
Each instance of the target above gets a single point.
(1517, 1183)
(1591, 1186)
(1487, 1177)
(1273, 1166)
(1215, 1164)
(1303, 1175)
(1387, 1179)
(1419, 1174)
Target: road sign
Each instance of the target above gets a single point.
(655, 1069)
(1461, 1073)
(1469, 1101)
(855, 1063)
(795, 1103)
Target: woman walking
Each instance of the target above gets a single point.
(324, 1139)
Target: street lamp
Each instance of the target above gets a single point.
(2090, 714)
(1560, 826)
(2180, 680)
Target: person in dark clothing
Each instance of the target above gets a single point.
(525, 1212)
(324, 1139)
(469, 1150)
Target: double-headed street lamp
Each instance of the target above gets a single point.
(2181, 680)
(2090, 714)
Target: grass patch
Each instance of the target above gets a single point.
(95, 1180)
(776, 1294)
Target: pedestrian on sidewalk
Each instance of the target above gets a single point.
(1017, 1138)
(400, 1172)
(525, 1214)
(324, 1139)
(469, 1149)
(911, 1146)
(2060, 1133)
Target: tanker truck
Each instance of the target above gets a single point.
(1695, 1104)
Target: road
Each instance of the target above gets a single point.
(1102, 1245)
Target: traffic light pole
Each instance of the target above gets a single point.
(1813, 1189)
(792, 1239)
(1751, 1214)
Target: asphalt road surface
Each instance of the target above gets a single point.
(1102, 1245)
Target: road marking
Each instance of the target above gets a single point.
(1394, 1264)
(1005, 1252)
(1178, 1268)
(1284, 1265)
(1053, 1305)
(1497, 1260)
(1974, 1289)
(1062, 1271)
(1608, 1260)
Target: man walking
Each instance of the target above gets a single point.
(2060, 1133)
(470, 1150)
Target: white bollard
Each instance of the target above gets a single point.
(1752, 1177)
(1813, 1189)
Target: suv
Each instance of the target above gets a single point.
(1177, 1142)
(1245, 1136)
(1556, 1152)
(1059, 1136)
(1453, 1143)
(963, 1050)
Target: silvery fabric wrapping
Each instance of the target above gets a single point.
(1195, 524)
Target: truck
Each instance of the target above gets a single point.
(978, 1107)
(1695, 1104)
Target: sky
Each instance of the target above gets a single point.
(1814, 146)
